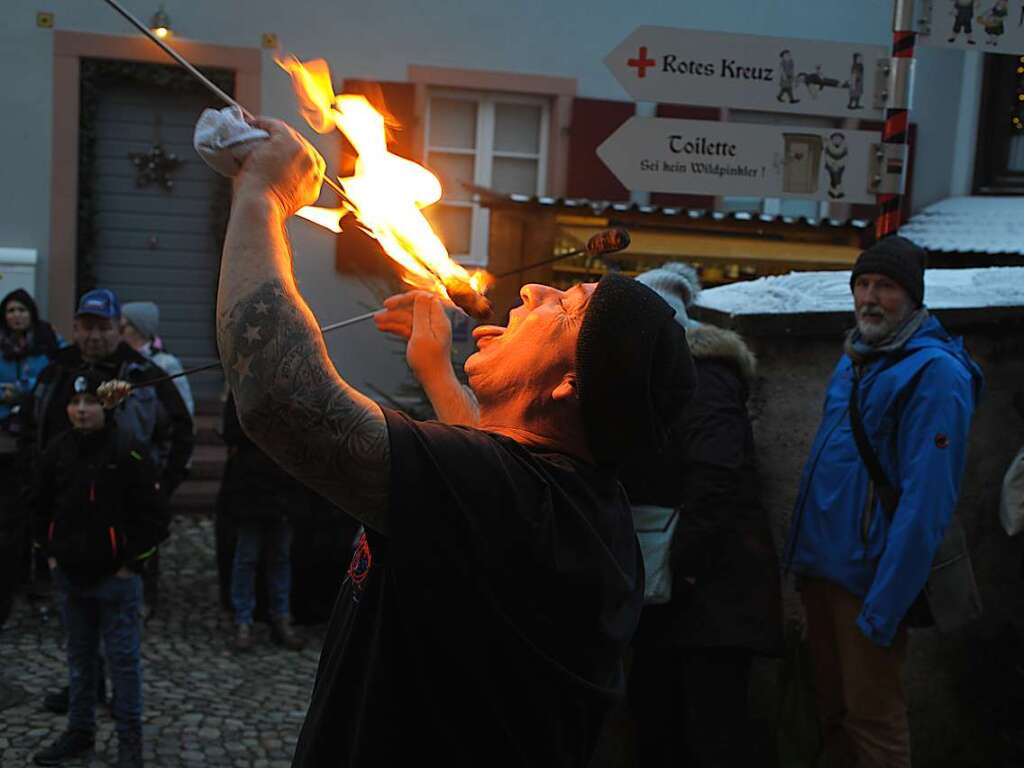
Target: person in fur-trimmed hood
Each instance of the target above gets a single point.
(692, 656)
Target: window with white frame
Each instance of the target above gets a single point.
(493, 140)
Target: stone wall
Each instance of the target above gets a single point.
(959, 685)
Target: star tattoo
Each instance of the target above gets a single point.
(242, 366)
(252, 333)
(261, 307)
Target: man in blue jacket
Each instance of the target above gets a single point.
(861, 568)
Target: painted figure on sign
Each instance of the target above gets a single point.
(856, 84)
(817, 81)
(993, 21)
(787, 76)
(835, 164)
(963, 11)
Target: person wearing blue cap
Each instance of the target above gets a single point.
(156, 415)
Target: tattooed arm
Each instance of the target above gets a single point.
(289, 398)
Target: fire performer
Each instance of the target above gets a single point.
(498, 581)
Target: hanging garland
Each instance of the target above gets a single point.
(97, 76)
(1017, 113)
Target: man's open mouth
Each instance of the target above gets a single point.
(483, 334)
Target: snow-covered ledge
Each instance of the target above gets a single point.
(820, 303)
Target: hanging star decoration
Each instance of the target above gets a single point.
(155, 166)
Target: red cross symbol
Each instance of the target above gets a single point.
(641, 62)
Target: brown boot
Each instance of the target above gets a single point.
(282, 633)
(242, 640)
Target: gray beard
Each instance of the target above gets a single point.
(861, 351)
(876, 333)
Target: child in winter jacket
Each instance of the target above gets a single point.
(98, 514)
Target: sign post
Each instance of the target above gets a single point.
(806, 77)
(897, 120)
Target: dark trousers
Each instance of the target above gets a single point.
(109, 610)
(275, 539)
(10, 555)
(690, 708)
(964, 17)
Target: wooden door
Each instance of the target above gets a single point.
(156, 225)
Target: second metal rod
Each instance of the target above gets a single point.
(176, 56)
(211, 366)
(212, 86)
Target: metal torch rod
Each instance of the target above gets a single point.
(534, 265)
(211, 366)
(605, 242)
(210, 85)
(176, 56)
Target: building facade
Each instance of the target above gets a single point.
(513, 98)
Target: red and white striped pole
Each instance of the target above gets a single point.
(897, 119)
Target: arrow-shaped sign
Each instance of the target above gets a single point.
(652, 154)
(808, 77)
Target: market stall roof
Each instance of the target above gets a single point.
(976, 224)
(724, 245)
(811, 303)
(589, 207)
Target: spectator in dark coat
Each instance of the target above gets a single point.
(153, 416)
(258, 497)
(98, 514)
(692, 656)
(27, 345)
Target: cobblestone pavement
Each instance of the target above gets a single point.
(204, 705)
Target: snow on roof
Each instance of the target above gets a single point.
(800, 292)
(970, 225)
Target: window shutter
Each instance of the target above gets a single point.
(593, 121)
(355, 252)
(685, 112)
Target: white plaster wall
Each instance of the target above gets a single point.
(26, 64)
(380, 39)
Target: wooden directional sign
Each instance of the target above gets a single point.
(652, 154)
(992, 26)
(807, 77)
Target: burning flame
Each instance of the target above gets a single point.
(386, 192)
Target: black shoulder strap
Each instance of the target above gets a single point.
(888, 494)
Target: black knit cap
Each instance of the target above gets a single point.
(634, 372)
(86, 381)
(896, 258)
